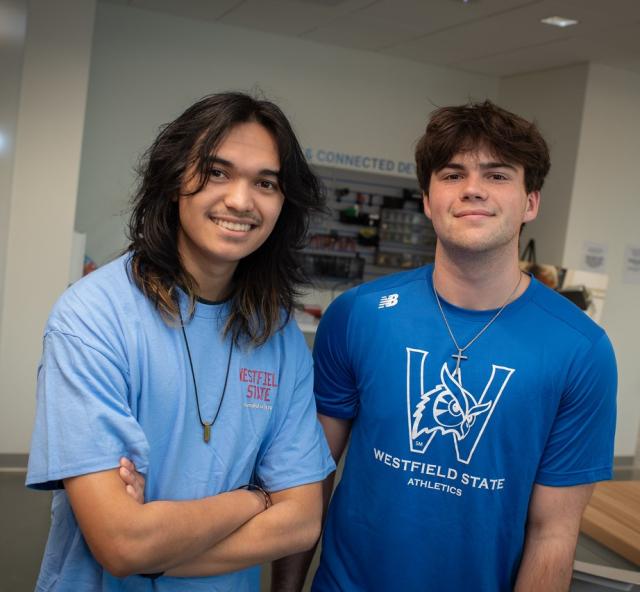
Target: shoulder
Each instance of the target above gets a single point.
(404, 280)
(290, 333)
(358, 307)
(568, 333)
(289, 343)
(100, 299)
(563, 315)
(382, 292)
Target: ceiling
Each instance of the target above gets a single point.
(495, 37)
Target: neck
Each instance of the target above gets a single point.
(212, 290)
(477, 282)
(213, 285)
(213, 279)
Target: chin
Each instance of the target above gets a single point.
(233, 255)
(479, 244)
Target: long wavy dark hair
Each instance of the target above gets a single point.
(265, 283)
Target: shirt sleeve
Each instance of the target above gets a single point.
(297, 452)
(83, 423)
(580, 445)
(335, 384)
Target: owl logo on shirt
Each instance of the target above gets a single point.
(449, 409)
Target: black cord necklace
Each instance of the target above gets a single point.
(206, 425)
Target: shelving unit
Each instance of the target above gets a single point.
(374, 226)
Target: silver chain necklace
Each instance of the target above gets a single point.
(458, 356)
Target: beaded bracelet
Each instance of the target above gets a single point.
(253, 487)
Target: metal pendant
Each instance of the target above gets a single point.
(458, 357)
(207, 432)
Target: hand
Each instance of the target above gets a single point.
(134, 481)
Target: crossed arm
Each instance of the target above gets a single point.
(209, 536)
(551, 534)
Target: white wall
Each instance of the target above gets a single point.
(13, 20)
(554, 100)
(42, 198)
(147, 67)
(605, 208)
(591, 117)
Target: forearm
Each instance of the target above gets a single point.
(547, 564)
(126, 537)
(289, 526)
(553, 526)
(173, 532)
(288, 574)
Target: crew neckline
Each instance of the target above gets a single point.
(203, 308)
(480, 315)
(212, 302)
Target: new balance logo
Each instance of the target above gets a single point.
(388, 301)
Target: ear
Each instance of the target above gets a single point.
(426, 204)
(531, 207)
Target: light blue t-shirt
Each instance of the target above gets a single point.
(440, 467)
(115, 381)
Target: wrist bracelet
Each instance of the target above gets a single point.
(265, 494)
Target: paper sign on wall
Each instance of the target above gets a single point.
(631, 273)
(594, 257)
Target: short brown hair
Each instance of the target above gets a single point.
(476, 125)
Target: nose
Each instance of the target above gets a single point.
(239, 196)
(474, 188)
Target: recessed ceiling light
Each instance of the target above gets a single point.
(559, 21)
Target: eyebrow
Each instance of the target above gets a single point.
(483, 165)
(228, 163)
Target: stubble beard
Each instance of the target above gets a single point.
(464, 245)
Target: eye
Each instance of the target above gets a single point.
(452, 176)
(268, 185)
(498, 177)
(216, 173)
(454, 408)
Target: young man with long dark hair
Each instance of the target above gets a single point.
(480, 404)
(181, 355)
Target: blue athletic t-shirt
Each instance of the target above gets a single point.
(115, 381)
(440, 466)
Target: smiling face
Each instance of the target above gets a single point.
(477, 203)
(235, 212)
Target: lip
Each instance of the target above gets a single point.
(227, 220)
(473, 214)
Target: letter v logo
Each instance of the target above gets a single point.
(448, 408)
